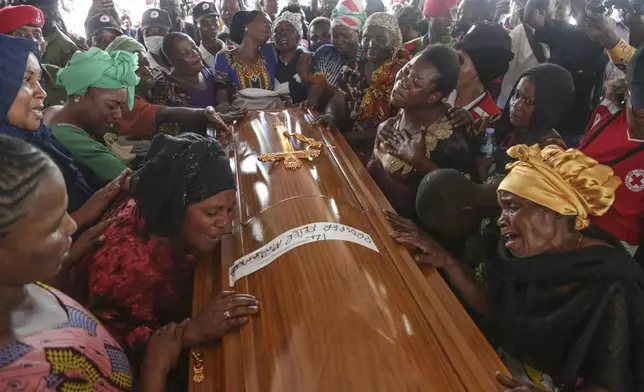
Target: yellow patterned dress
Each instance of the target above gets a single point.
(233, 74)
(77, 356)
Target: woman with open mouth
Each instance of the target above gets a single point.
(565, 299)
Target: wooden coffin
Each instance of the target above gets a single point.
(335, 316)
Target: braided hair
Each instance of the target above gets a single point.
(22, 166)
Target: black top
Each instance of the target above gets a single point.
(287, 72)
(576, 315)
(571, 48)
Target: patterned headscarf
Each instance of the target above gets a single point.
(349, 13)
(292, 18)
(390, 23)
(96, 68)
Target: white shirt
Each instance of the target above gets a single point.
(523, 60)
(208, 57)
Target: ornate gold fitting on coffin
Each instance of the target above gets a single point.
(197, 367)
(292, 159)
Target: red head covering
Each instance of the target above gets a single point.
(14, 17)
(437, 7)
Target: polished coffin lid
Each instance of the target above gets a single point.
(334, 315)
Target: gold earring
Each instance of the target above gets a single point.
(77, 99)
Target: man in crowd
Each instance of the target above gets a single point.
(101, 30)
(26, 22)
(319, 33)
(441, 23)
(155, 25)
(206, 18)
(59, 47)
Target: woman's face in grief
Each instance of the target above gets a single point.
(103, 38)
(522, 103)
(442, 25)
(377, 43)
(259, 29)
(415, 84)
(144, 71)
(102, 107)
(527, 228)
(635, 119)
(285, 37)
(468, 72)
(345, 40)
(34, 247)
(205, 222)
(185, 57)
(208, 28)
(34, 34)
(319, 34)
(26, 110)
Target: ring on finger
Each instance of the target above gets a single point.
(227, 315)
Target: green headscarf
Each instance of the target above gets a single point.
(127, 44)
(99, 69)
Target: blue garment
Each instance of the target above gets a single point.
(259, 75)
(15, 52)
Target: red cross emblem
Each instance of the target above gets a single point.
(634, 180)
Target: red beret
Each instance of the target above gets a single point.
(437, 7)
(14, 17)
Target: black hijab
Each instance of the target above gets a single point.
(569, 333)
(554, 93)
(178, 171)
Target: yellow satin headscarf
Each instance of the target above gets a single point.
(568, 182)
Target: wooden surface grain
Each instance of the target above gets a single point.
(334, 316)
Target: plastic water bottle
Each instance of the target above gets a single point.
(488, 148)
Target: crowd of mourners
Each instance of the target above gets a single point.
(508, 138)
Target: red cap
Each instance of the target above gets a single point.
(14, 17)
(437, 7)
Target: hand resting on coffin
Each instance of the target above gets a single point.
(227, 311)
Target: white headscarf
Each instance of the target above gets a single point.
(292, 18)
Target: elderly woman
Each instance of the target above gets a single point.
(486, 52)
(146, 117)
(421, 138)
(99, 85)
(141, 276)
(51, 334)
(251, 65)
(346, 23)
(189, 77)
(366, 85)
(566, 300)
(294, 62)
